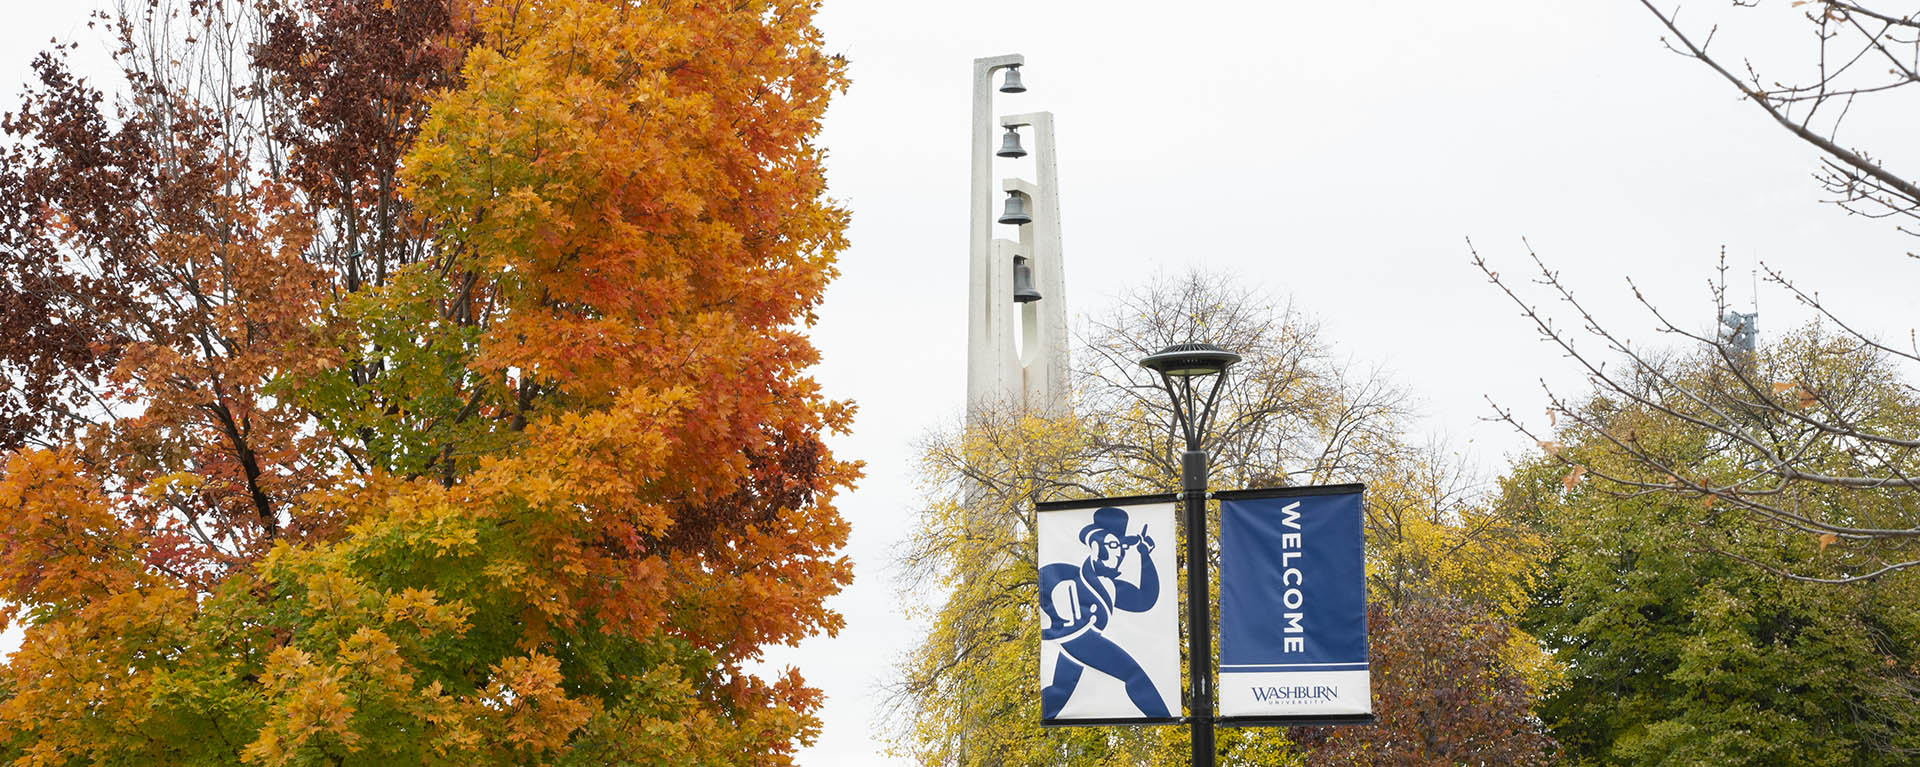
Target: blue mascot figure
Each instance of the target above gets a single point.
(1078, 600)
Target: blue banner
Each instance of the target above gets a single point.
(1293, 604)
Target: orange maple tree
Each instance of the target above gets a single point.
(455, 410)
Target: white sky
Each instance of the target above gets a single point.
(1338, 153)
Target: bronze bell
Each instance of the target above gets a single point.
(1012, 84)
(1010, 145)
(1023, 291)
(1016, 212)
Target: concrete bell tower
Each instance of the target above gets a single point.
(1016, 307)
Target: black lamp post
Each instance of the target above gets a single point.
(1178, 366)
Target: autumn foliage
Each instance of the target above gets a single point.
(418, 381)
(1444, 693)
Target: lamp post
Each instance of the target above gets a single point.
(1178, 367)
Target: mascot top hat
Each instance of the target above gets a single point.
(1109, 520)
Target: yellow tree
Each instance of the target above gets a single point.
(1292, 415)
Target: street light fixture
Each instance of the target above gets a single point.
(1178, 366)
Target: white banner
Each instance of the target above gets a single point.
(1109, 612)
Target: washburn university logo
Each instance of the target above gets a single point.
(1298, 693)
(1077, 601)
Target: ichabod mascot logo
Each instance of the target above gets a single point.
(1079, 600)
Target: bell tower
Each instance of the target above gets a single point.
(1016, 299)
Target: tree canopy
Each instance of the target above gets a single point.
(1674, 648)
(419, 381)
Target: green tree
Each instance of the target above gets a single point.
(1676, 651)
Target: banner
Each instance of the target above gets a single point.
(1293, 606)
(1109, 612)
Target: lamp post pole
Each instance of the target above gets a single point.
(1178, 366)
(1193, 502)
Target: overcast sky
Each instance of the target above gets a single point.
(1338, 154)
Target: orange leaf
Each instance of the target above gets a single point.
(1573, 477)
(1827, 539)
(1552, 448)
